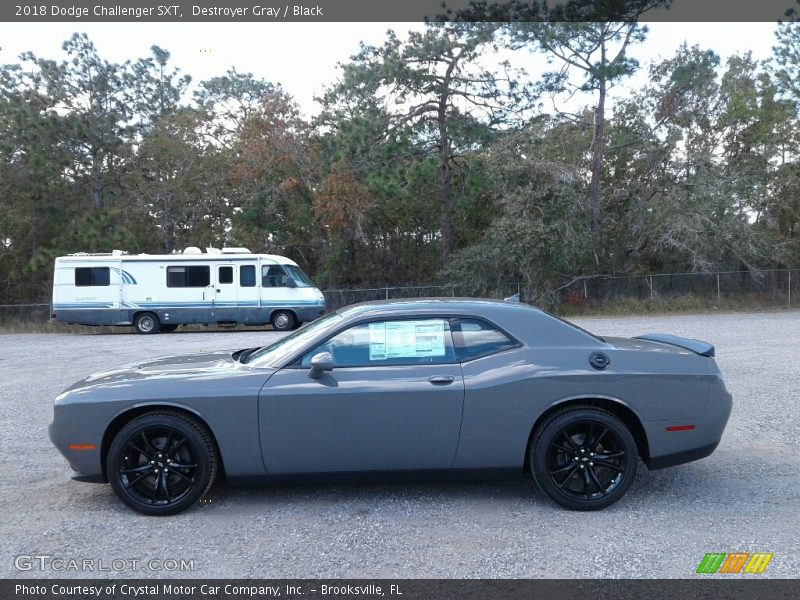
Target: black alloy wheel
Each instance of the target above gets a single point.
(584, 458)
(162, 463)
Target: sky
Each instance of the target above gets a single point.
(303, 57)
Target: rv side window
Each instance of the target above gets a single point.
(195, 276)
(225, 275)
(90, 276)
(247, 276)
(274, 276)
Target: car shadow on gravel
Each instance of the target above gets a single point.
(295, 495)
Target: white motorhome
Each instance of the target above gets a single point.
(159, 292)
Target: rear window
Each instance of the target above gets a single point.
(188, 276)
(475, 338)
(91, 276)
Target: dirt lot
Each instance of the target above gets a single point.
(746, 496)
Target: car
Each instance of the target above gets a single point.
(430, 387)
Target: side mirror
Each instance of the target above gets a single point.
(321, 362)
(291, 283)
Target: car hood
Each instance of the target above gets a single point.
(199, 361)
(197, 366)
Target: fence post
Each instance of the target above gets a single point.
(650, 285)
(790, 290)
(719, 298)
(387, 291)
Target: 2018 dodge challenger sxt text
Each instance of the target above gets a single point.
(434, 385)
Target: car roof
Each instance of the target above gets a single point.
(477, 306)
(526, 322)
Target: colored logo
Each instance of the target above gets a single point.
(126, 277)
(734, 562)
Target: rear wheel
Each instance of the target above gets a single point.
(584, 458)
(168, 328)
(283, 320)
(162, 463)
(146, 323)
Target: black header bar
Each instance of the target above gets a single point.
(232, 11)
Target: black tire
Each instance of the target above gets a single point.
(566, 449)
(167, 328)
(283, 320)
(147, 448)
(146, 323)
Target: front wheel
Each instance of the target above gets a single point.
(162, 463)
(146, 323)
(584, 458)
(283, 320)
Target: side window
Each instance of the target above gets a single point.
(92, 276)
(247, 276)
(188, 276)
(390, 343)
(474, 338)
(273, 276)
(225, 275)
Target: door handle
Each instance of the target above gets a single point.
(441, 379)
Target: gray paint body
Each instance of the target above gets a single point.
(277, 421)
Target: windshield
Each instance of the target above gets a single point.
(300, 278)
(274, 354)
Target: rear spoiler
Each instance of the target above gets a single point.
(698, 346)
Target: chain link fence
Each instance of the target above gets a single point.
(763, 288)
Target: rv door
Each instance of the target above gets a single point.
(225, 294)
(191, 293)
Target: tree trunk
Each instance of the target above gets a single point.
(444, 182)
(95, 184)
(598, 147)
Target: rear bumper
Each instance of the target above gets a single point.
(670, 444)
(679, 458)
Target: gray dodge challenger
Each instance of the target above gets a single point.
(434, 386)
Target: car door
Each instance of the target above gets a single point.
(393, 401)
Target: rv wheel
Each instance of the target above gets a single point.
(146, 323)
(283, 320)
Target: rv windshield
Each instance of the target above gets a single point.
(274, 354)
(300, 278)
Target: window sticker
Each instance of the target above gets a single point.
(406, 339)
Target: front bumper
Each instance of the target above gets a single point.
(309, 313)
(85, 464)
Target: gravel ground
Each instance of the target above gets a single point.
(746, 496)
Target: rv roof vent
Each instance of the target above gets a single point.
(235, 251)
(118, 252)
(192, 250)
(212, 250)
